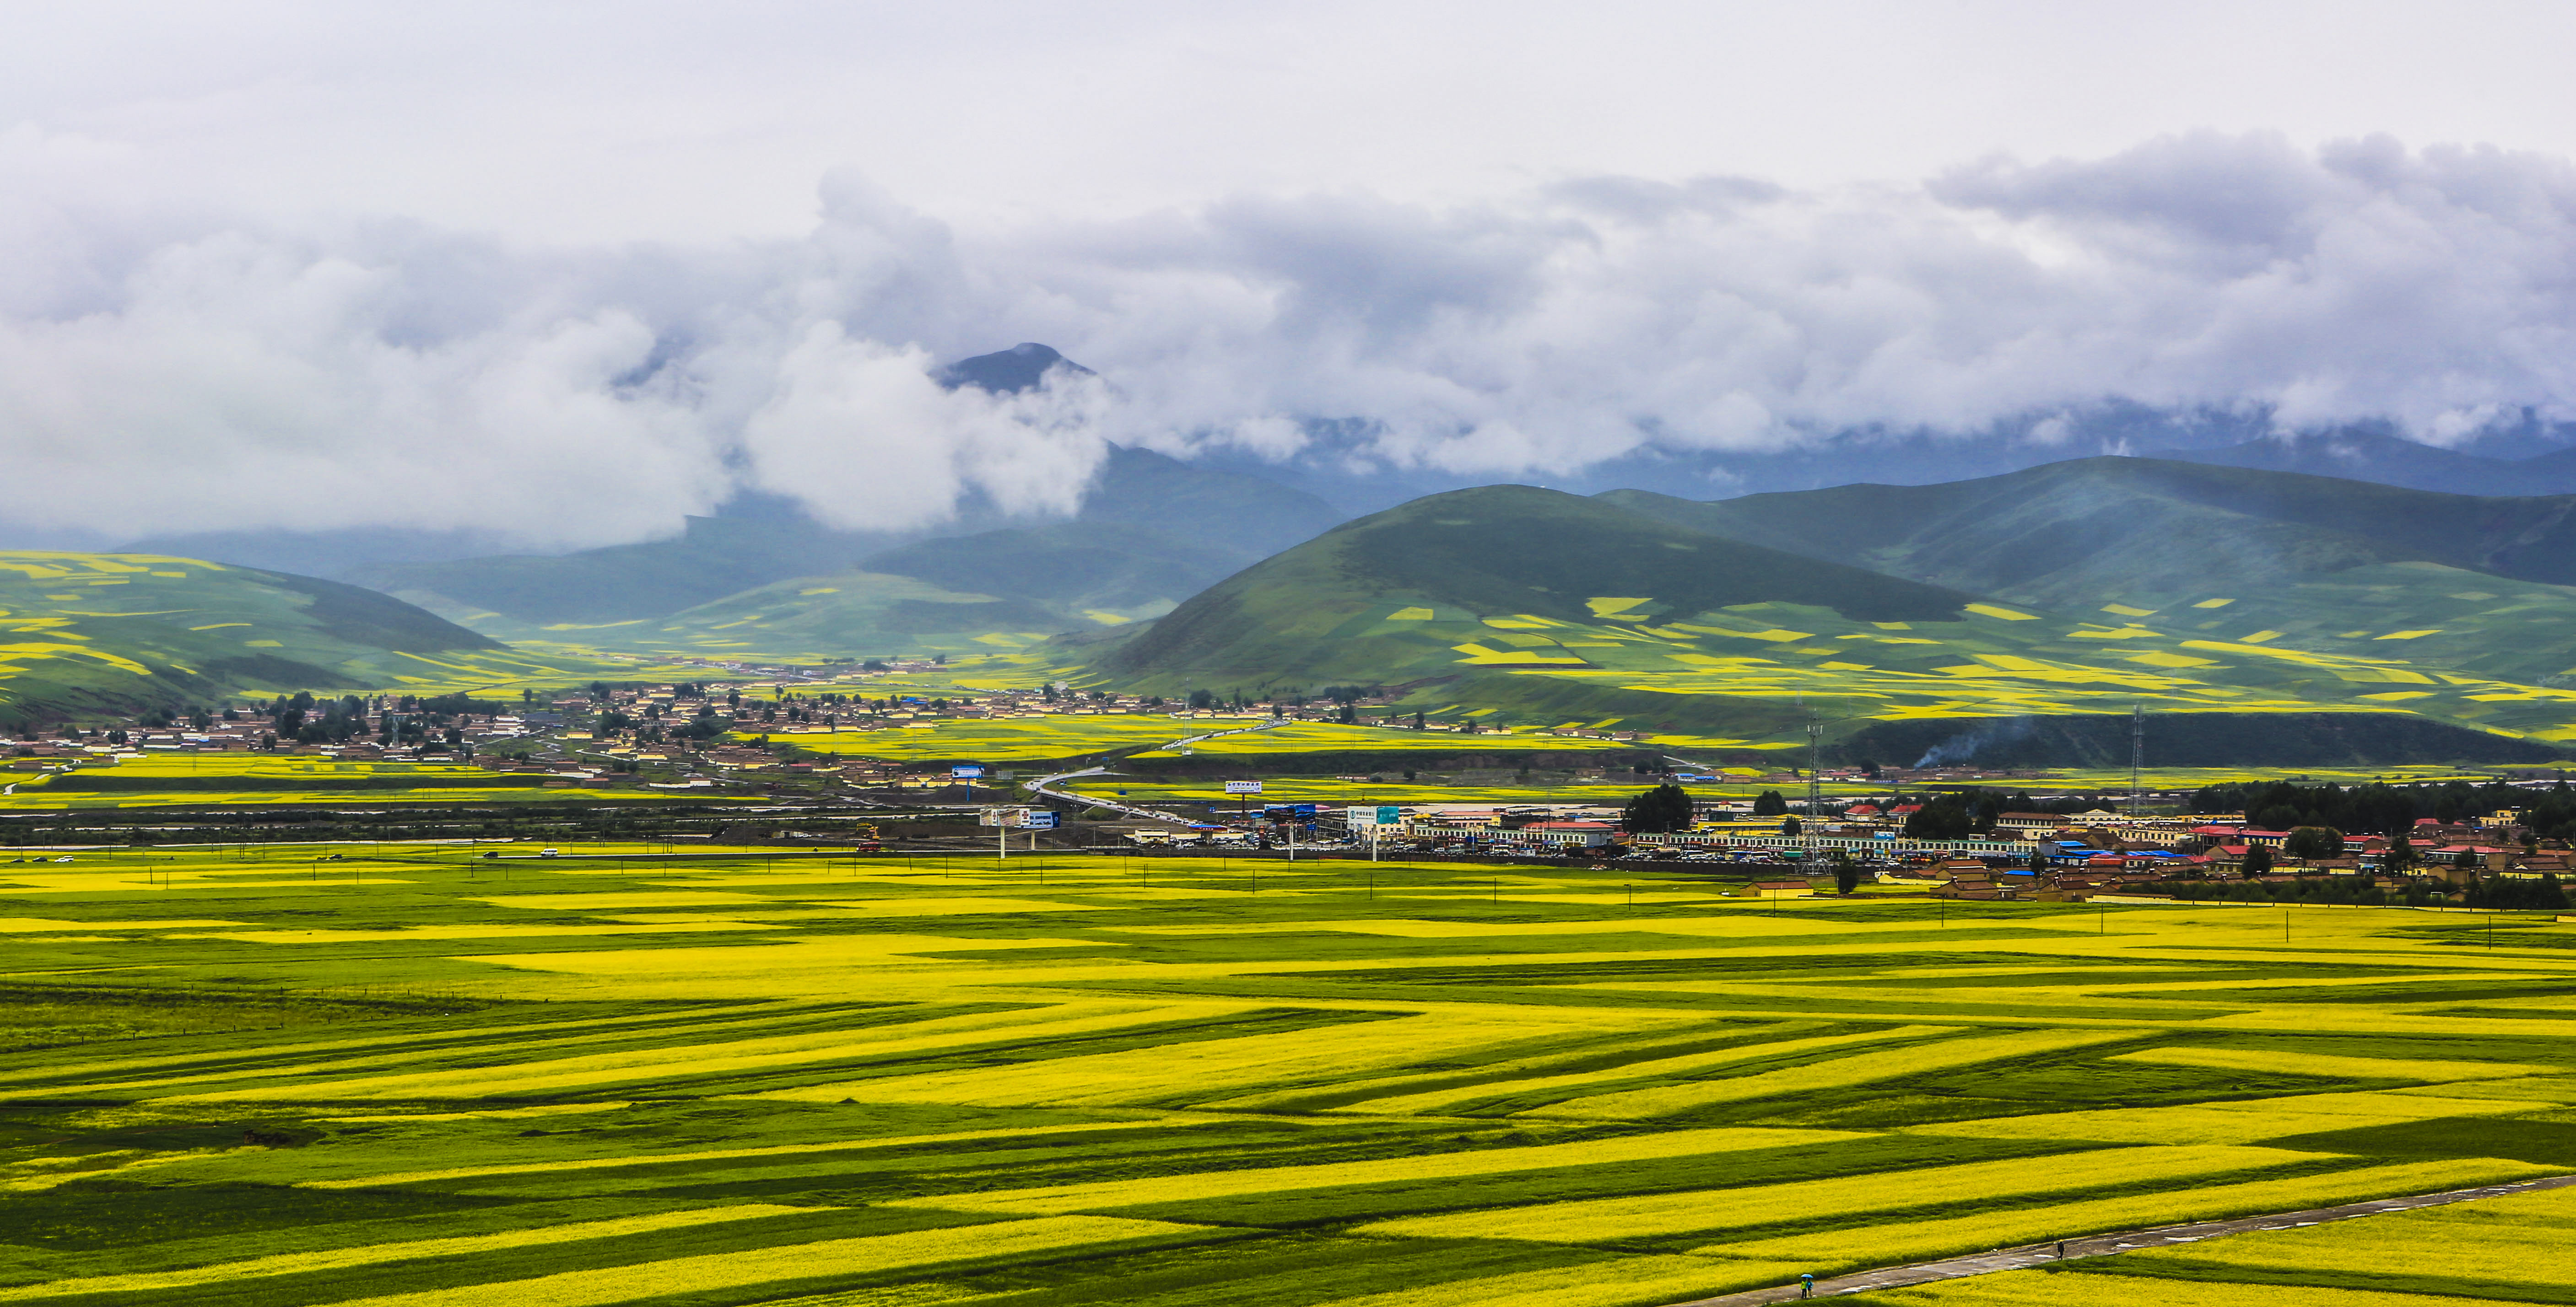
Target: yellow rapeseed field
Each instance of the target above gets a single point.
(1487, 1161)
(344, 1258)
(1601, 1219)
(941, 1080)
(828, 1258)
(1922, 1240)
(1860, 1069)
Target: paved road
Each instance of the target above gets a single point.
(1041, 784)
(2106, 1245)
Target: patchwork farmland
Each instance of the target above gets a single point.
(416, 1075)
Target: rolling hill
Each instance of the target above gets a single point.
(97, 633)
(2366, 455)
(2469, 584)
(838, 617)
(1204, 514)
(2106, 527)
(1385, 595)
(1531, 606)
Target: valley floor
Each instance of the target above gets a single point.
(625, 1075)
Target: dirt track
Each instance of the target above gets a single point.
(2106, 1245)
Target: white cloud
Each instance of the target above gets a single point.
(166, 369)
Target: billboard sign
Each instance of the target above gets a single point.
(1001, 817)
(1041, 819)
(1390, 816)
(967, 770)
(1243, 787)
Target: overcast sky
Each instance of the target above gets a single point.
(660, 250)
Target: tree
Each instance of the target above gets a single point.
(2399, 860)
(1417, 721)
(1202, 698)
(1769, 804)
(1659, 811)
(1789, 826)
(1944, 818)
(2313, 842)
(2258, 859)
(1846, 872)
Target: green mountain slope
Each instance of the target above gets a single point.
(113, 632)
(1377, 598)
(1211, 515)
(2068, 532)
(711, 558)
(1072, 567)
(2464, 584)
(845, 616)
(1536, 607)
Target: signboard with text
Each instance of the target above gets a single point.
(1042, 819)
(1243, 787)
(966, 771)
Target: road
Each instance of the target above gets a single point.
(2108, 1245)
(1041, 786)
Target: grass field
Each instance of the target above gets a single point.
(162, 780)
(2509, 1249)
(1075, 735)
(622, 1076)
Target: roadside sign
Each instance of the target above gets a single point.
(966, 771)
(1002, 817)
(1243, 787)
(1302, 809)
(1390, 816)
(1362, 816)
(1041, 819)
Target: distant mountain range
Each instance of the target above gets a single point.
(2365, 455)
(2360, 596)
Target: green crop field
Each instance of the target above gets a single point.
(161, 780)
(2506, 1249)
(416, 1075)
(1075, 735)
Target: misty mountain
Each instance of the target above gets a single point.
(2095, 528)
(1206, 519)
(2362, 454)
(1209, 521)
(1077, 566)
(1007, 372)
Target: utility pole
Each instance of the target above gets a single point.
(1815, 790)
(2137, 755)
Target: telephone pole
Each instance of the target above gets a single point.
(2137, 755)
(1815, 791)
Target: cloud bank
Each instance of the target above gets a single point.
(169, 371)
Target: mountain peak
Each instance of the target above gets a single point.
(1007, 372)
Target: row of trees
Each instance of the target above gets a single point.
(2382, 809)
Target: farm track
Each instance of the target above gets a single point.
(1040, 786)
(2028, 1256)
